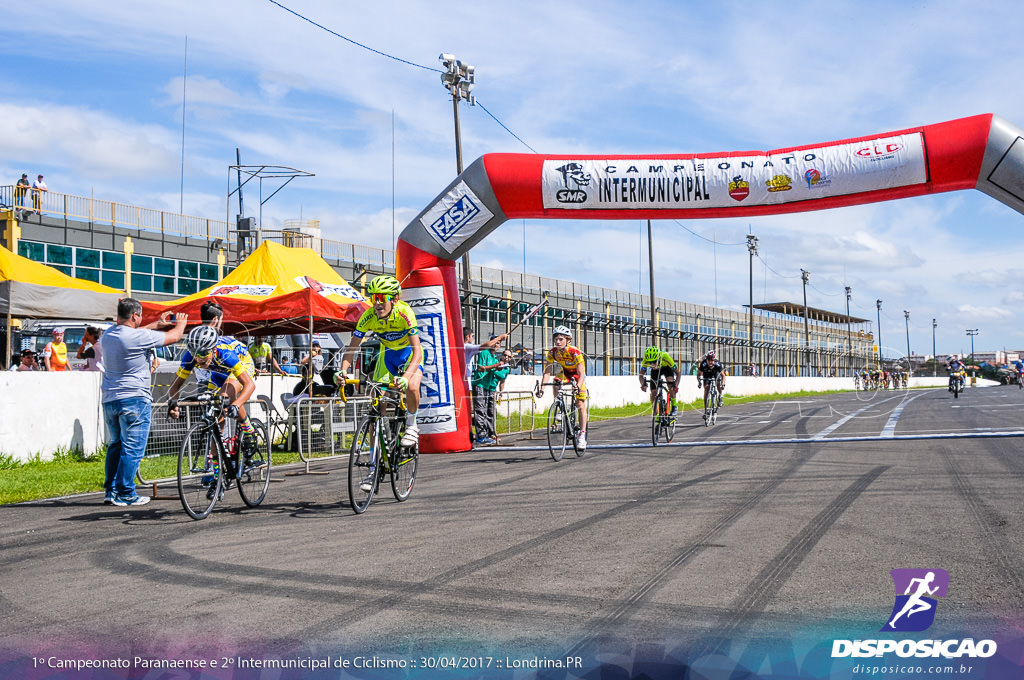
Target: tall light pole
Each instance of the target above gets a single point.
(878, 331)
(935, 358)
(752, 247)
(650, 267)
(459, 78)
(906, 318)
(972, 332)
(849, 334)
(805, 276)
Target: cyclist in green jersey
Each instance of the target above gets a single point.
(394, 323)
(661, 365)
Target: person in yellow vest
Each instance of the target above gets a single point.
(55, 354)
(263, 355)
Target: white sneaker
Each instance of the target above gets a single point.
(367, 485)
(412, 435)
(582, 443)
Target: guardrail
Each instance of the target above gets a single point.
(324, 426)
(510, 405)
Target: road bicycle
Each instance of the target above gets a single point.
(711, 403)
(663, 423)
(563, 418)
(377, 450)
(210, 461)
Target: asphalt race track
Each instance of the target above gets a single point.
(756, 541)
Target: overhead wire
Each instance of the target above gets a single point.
(398, 59)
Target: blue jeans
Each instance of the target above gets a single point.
(128, 422)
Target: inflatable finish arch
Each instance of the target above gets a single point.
(981, 152)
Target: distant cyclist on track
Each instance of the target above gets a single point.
(711, 369)
(661, 365)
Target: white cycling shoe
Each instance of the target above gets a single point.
(412, 435)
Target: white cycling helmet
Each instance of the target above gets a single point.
(562, 330)
(202, 339)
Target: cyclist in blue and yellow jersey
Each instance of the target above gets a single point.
(223, 363)
(573, 365)
(661, 365)
(394, 323)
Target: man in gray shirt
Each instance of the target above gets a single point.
(127, 395)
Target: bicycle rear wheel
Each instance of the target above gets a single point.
(558, 430)
(362, 459)
(200, 465)
(403, 470)
(254, 479)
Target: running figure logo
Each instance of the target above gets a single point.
(914, 609)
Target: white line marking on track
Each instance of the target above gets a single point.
(889, 431)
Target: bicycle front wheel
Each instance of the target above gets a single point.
(656, 420)
(558, 430)
(200, 482)
(403, 470)
(254, 479)
(362, 466)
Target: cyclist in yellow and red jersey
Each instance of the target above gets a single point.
(662, 365)
(394, 323)
(573, 365)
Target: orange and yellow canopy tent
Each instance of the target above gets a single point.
(276, 290)
(30, 290)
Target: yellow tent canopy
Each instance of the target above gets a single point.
(276, 290)
(32, 290)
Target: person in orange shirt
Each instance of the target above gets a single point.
(55, 354)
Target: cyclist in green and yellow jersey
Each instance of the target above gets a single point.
(394, 323)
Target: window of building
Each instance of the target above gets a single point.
(59, 255)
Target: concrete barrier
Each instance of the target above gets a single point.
(43, 413)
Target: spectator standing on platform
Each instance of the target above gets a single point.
(55, 354)
(38, 187)
(128, 396)
(90, 349)
(20, 192)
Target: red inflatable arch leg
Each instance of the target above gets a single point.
(430, 287)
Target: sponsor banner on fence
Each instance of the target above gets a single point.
(731, 181)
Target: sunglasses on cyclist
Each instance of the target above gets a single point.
(381, 298)
(202, 355)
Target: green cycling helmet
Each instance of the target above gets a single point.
(651, 354)
(384, 285)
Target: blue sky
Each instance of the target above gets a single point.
(95, 97)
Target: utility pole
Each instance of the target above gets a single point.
(935, 358)
(459, 78)
(849, 335)
(805, 276)
(906, 317)
(650, 267)
(878, 332)
(752, 247)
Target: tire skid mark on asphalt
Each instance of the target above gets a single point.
(767, 583)
(602, 625)
(994, 538)
(401, 595)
